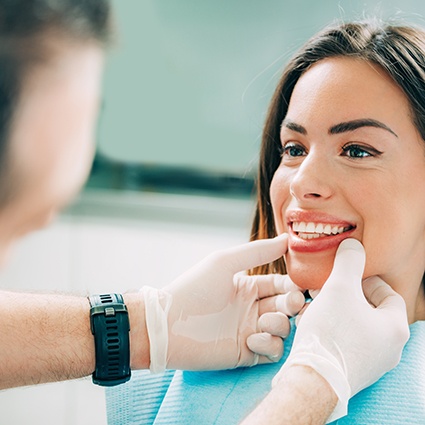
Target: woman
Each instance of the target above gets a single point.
(342, 156)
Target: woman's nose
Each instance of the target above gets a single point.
(313, 180)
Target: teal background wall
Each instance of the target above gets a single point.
(188, 82)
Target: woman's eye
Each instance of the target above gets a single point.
(356, 151)
(292, 150)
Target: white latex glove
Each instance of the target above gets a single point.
(211, 318)
(348, 341)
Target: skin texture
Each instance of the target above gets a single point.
(376, 185)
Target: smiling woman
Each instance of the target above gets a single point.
(343, 156)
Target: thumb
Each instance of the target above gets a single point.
(256, 253)
(348, 266)
(381, 295)
(391, 304)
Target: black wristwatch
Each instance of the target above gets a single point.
(110, 326)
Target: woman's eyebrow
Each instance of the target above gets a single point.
(355, 124)
(341, 127)
(294, 126)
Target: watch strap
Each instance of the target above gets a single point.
(110, 326)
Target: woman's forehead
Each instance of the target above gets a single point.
(343, 89)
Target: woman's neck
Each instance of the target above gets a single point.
(411, 288)
(420, 305)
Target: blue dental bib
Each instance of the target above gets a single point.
(226, 397)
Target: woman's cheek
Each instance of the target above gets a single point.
(279, 197)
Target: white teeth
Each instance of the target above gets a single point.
(312, 230)
(310, 235)
(311, 227)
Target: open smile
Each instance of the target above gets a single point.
(312, 230)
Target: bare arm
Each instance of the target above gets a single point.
(302, 397)
(46, 338)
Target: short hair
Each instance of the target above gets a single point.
(398, 49)
(24, 27)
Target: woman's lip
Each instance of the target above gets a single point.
(315, 217)
(298, 244)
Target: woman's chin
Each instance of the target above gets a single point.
(306, 284)
(308, 275)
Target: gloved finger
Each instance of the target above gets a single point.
(266, 345)
(255, 253)
(269, 284)
(385, 299)
(300, 314)
(276, 324)
(289, 304)
(381, 295)
(348, 268)
(314, 293)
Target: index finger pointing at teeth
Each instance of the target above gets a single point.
(269, 285)
(256, 253)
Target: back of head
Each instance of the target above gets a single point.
(27, 29)
(82, 19)
(398, 49)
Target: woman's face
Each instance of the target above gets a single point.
(353, 165)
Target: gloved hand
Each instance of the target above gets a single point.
(349, 337)
(211, 318)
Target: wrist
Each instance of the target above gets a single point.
(312, 354)
(307, 373)
(301, 380)
(139, 341)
